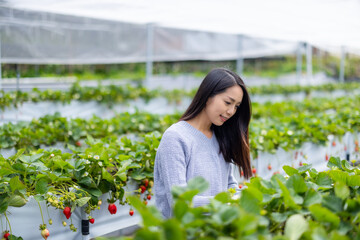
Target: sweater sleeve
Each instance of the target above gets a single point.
(172, 166)
(232, 183)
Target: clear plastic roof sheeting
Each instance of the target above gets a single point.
(115, 31)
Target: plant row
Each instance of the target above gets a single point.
(306, 204)
(284, 125)
(67, 181)
(110, 95)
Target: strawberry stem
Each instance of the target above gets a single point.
(8, 222)
(42, 217)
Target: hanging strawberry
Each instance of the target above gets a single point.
(6, 235)
(131, 212)
(44, 231)
(112, 208)
(67, 212)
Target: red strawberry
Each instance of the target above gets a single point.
(45, 233)
(333, 143)
(146, 182)
(77, 143)
(6, 235)
(356, 148)
(269, 167)
(242, 173)
(131, 212)
(300, 163)
(92, 220)
(143, 188)
(296, 155)
(326, 157)
(149, 197)
(112, 208)
(254, 170)
(67, 212)
(145, 202)
(356, 143)
(240, 186)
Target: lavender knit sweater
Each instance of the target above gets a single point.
(184, 153)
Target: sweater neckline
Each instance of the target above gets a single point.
(198, 132)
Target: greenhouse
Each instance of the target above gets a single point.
(179, 119)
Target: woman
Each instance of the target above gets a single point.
(211, 136)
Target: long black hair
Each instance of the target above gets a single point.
(233, 135)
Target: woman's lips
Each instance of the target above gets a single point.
(223, 118)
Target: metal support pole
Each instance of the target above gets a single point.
(149, 52)
(17, 77)
(240, 59)
(342, 65)
(309, 61)
(299, 61)
(0, 66)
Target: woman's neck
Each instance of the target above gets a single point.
(202, 123)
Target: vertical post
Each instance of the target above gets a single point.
(0, 66)
(17, 77)
(342, 65)
(85, 228)
(309, 61)
(240, 57)
(149, 52)
(299, 61)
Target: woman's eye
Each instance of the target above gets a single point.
(227, 103)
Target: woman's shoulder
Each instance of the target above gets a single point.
(178, 130)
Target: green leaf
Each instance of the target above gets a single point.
(180, 208)
(138, 175)
(279, 217)
(39, 198)
(122, 176)
(4, 203)
(338, 176)
(290, 170)
(324, 215)
(16, 201)
(95, 192)
(312, 197)
(304, 168)
(198, 183)
(295, 226)
(189, 195)
(36, 157)
(173, 230)
(297, 183)
(223, 197)
(288, 200)
(41, 186)
(323, 179)
(107, 176)
(341, 190)
(16, 184)
(334, 162)
(249, 202)
(82, 201)
(353, 180)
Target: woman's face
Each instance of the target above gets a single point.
(223, 106)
